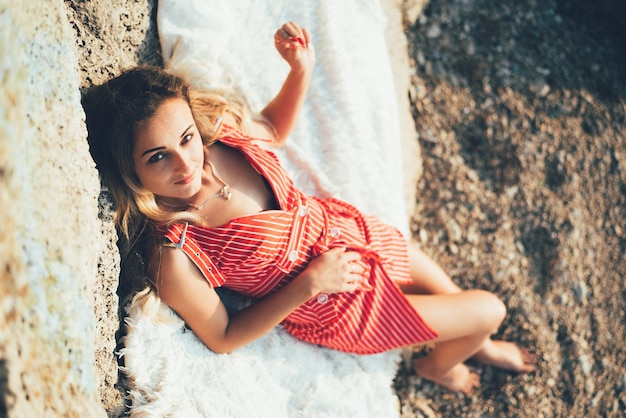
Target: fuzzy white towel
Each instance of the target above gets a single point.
(346, 145)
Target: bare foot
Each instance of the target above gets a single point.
(506, 355)
(458, 379)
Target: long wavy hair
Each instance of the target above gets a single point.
(114, 111)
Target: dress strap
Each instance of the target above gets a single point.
(180, 238)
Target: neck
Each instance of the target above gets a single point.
(172, 204)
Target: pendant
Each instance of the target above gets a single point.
(225, 193)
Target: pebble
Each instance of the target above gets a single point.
(434, 31)
(585, 364)
(454, 230)
(423, 236)
(596, 399)
(590, 387)
(472, 236)
(511, 191)
(580, 292)
(473, 176)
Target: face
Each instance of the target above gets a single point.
(168, 156)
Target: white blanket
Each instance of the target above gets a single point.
(346, 144)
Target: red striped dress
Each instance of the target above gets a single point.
(258, 254)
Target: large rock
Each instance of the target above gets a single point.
(109, 37)
(49, 220)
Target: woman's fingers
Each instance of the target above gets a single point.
(349, 260)
(282, 33)
(354, 267)
(307, 36)
(291, 33)
(292, 30)
(340, 270)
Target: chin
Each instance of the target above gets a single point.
(193, 191)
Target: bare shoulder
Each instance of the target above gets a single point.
(180, 278)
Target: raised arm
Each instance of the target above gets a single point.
(184, 289)
(294, 45)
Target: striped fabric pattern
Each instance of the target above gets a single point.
(260, 253)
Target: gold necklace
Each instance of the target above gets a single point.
(225, 192)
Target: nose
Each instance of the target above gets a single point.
(182, 163)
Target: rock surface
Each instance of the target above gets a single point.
(49, 221)
(109, 37)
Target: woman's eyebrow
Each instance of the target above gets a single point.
(148, 151)
(186, 130)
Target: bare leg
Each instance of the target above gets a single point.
(429, 278)
(463, 321)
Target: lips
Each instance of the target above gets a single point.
(187, 179)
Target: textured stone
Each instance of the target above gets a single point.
(49, 220)
(109, 37)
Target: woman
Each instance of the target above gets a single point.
(205, 205)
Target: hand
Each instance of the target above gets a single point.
(294, 46)
(336, 270)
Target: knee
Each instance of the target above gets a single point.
(499, 310)
(493, 309)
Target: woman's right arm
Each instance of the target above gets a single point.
(184, 289)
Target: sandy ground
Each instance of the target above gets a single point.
(520, 108)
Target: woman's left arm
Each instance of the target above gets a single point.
(294, 46)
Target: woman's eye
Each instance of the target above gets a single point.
(156, 157)
(187, 138)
